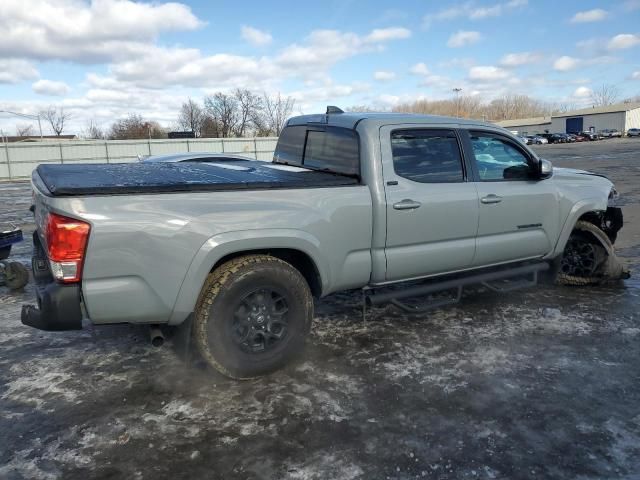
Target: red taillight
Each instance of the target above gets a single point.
(66, 244)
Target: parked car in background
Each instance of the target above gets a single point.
(557, 138)
(524, 139)
(568, 138)
(574, 137)
(537, 140)
(633, 132)
(590, 136)
(551, 137)
(610, 133)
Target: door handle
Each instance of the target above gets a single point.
(406, 204)
(491, 198)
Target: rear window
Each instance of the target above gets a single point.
(320, 148)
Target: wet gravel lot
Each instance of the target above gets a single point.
(542, 383)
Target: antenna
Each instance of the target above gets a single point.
(333, 109)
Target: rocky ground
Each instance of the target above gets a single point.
(542, 383)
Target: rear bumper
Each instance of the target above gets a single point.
(59, 305)
(58, 308)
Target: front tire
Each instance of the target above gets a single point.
(589, 258)
(252, 317)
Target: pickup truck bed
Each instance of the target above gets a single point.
(141, 178)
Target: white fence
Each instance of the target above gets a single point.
(17, 160)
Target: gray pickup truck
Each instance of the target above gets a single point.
(237, 249)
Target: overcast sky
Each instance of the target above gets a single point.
(101, 59)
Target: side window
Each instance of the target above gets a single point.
(427, 155)
(498, 159)
(335, 149)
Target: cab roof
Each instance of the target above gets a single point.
(352, 119)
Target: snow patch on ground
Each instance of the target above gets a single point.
(323, 466)
(41, 461)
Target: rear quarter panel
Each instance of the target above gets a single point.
(148, 255)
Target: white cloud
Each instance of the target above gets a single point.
(636, 75)
(487, 73)
(457, 63)
(94, 32)
(582, 92)
(328, 92)
(438, 82)
(485, 12)
(50, 87)
(384, 76)
(566, 63)
(595, 15)
(462, 39)
(380, 35)
(16, 71)
(388, 100)
(310, 59)
(419, 69)
(624, 40)
(473, 12)
(324, 48)
(188, 67)
(518, 59)
(255, 37)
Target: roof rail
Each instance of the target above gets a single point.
(333, 109)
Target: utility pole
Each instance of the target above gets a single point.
(457, 90)
(32, 117)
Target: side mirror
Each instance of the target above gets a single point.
(545, 169)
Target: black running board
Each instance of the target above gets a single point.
(505, 280)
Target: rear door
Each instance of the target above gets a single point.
(519, 213)
(432, 208)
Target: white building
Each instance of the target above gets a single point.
(621, 117)
(527, 126)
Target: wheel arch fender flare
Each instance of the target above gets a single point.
(230, 243)
(593, 204)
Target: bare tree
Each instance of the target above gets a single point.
(605, 94)
(276, 111)
(250, 107)
(191, 117)
(135, 127)
(210, 127)
(507, 107)
(563, 107)
(24, 130)
(92, 131)
(224, 110)
(57, 118)
(633, 99)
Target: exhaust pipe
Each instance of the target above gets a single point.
(156, 336)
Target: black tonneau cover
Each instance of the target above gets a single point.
(132, 178)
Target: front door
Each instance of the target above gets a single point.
(518, 213)
(432, 210)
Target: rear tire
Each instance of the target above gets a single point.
(252, 316)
